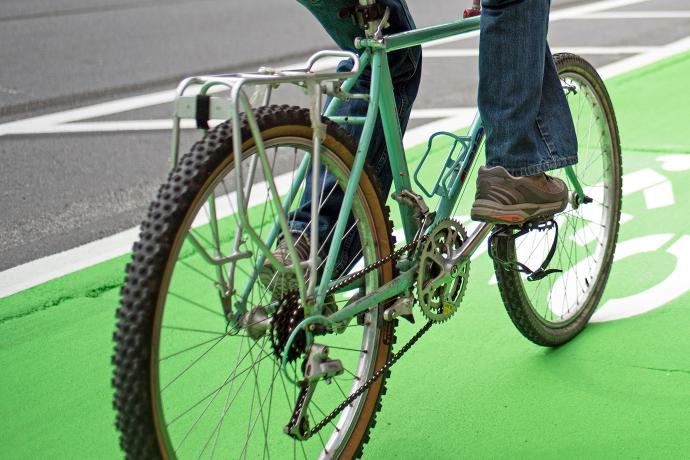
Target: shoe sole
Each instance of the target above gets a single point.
(488, 211)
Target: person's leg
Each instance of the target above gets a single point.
(405, 71)
(523, 109)
(528, 125)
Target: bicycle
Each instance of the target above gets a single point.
(195, 323)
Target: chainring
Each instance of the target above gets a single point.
(437, 301)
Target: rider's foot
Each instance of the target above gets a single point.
(506, 199)
(280, 283)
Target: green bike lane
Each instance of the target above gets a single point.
(473, 387)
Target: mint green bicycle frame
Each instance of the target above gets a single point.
(382, 101)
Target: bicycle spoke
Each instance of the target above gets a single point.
(217, 396)
(196, 304)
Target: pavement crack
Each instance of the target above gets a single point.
(660, 369)
(91, 293)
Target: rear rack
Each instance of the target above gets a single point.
(194, 100)
(202, 107)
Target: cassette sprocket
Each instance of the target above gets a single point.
(440, 283)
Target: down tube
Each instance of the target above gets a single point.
(459, 179)
(353, 181)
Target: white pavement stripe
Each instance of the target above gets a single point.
(48, 124)
(442, 112)
(421, 134)
(599, 50)
(671, 14)
(589, 8)
(93, 111)
(641, 60)
(166, 124)
(39, 271)
(566, 13)
(42, 124)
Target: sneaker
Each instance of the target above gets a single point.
(280, 283)
(506, 199)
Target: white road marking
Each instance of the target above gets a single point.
(677, 162)
(39, 271)
(599, 50)
(589, 8)
(566, 13)
(50, 267)
(47, 268)
(659, 196)
(656, 188)
(167, 124)
(641, 60)
(44, 124)
(672, 287)
(641, 180)
(671, 14)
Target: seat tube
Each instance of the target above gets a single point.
(353, 180)
(394, 145)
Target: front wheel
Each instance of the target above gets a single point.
(553, 310)
(190, 385)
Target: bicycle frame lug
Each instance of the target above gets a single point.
(401, 307)
(226, 303)
(404, 264)
(420, 211)
(334, 89)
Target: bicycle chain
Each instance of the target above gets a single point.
(392, 256)
(393, 359)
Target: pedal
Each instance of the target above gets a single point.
(506, 231)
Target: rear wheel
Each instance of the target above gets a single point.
(556, 308)
(189, 386)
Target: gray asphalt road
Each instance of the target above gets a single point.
(62, 190)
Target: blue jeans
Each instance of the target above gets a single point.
(406, 69)
(526, 117)
(528, 124)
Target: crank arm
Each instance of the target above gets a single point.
(472, 243)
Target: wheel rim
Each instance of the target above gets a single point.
(215, 419)
(586, 231)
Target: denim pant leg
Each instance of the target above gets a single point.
(527, 120)
(405, 68)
